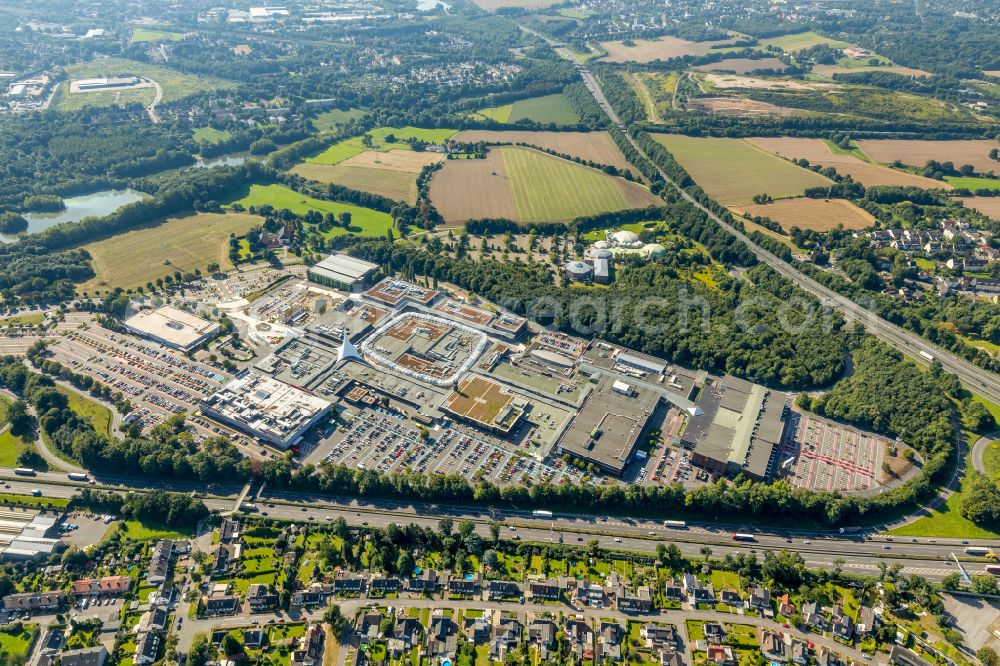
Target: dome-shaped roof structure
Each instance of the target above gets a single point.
(653, 250)
(600, 253)
(626, 237)
(601, 245)
(578, 268)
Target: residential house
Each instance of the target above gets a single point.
(442, 636)
(590, 594)
(229, 531)
(714, 633)
(814, 617)
(785, 606)
(843, 625)
(904, 657)
(502, 589)
(825, 657)
(260, 598)
(426, 582)
(32, 602)
(772, 645)
(147, 648)
(314, 595)
(309, 647)
(800, 653)
(731, 597)
(381, 585)
(226, 557)
(672, 590)
(464, 586)
(658, 636)
(254, 638)
(760, 599)
(159, 562)
(696, 591)
(721, 655)
(478, 629)
(609, 642)
(867, 621)
(405, 637)
(369, 626)
(542, 633)
(549, 589)
(506, 638)
(581, 639)
(155, 619)
(104, 587)
(348, 584)
(93, 656)
(223, 604)
(671, 658)
(639, 602)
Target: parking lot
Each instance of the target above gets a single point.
(377, 440)
(832, 457)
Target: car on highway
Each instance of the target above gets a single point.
(618, 539)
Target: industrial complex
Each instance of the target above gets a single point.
(172, 327)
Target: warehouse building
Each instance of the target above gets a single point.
(341, 271)
(172, 327)
(608, 427)
(739, 429)
(266, 408)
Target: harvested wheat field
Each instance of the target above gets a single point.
(815, 214)
(529, 186)
(916, 153)
(816, 151)
(593, 146)
(743, 65)
(733, 171)
(988, 206)
(726, 81)
(392, 174)
(661, 48)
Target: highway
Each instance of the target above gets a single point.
(932, 559)
(972, 376)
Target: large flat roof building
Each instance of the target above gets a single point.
(173, 327)
(341, 271)
(606, 430)
(266, 408)
(739, 429)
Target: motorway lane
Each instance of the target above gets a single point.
(928, 558)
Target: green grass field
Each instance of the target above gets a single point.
(210, 135)
(16, 645)
(347, 148)
(974, 184)
(30, 319)
(329, 121)
(148, 531)
(145, 35)
(802, 40)
(364, 221)
(175, 84)
(10, 448)
(733, 171)
(549, 188)
(187, 243)
(947, 521)
(548, 109)
(84, 407)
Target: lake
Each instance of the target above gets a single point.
(87, 205)
(233, 159)
(429, 5)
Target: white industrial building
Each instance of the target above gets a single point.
(24, 534)
(341, 271)
(173, 327)
(263, 407)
